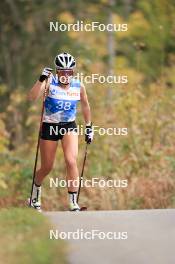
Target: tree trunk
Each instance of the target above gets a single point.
(110, 47)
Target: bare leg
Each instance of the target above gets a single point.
(48, 150)
(70, 149)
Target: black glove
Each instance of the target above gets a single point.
(45, 74)
(89, 133)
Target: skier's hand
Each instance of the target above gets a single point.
(45, 74)
(89, 133)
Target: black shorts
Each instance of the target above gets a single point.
(56, 131)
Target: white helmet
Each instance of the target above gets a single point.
(64, 61)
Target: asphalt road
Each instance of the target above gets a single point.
(146, 236)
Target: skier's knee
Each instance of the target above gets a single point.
(71, 162)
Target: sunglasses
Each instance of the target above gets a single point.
(65, 72)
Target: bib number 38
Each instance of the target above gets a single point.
(62, 105)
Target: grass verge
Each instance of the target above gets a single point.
(25, 239)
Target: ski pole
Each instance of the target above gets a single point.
(38, 141)
(81, 177)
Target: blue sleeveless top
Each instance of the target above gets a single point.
(60, 103)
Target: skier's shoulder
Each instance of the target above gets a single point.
(75, 82)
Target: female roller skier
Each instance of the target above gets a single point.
(58, 123)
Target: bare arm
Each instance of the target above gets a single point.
(85, 105)
(40, 85)
(37, 90)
